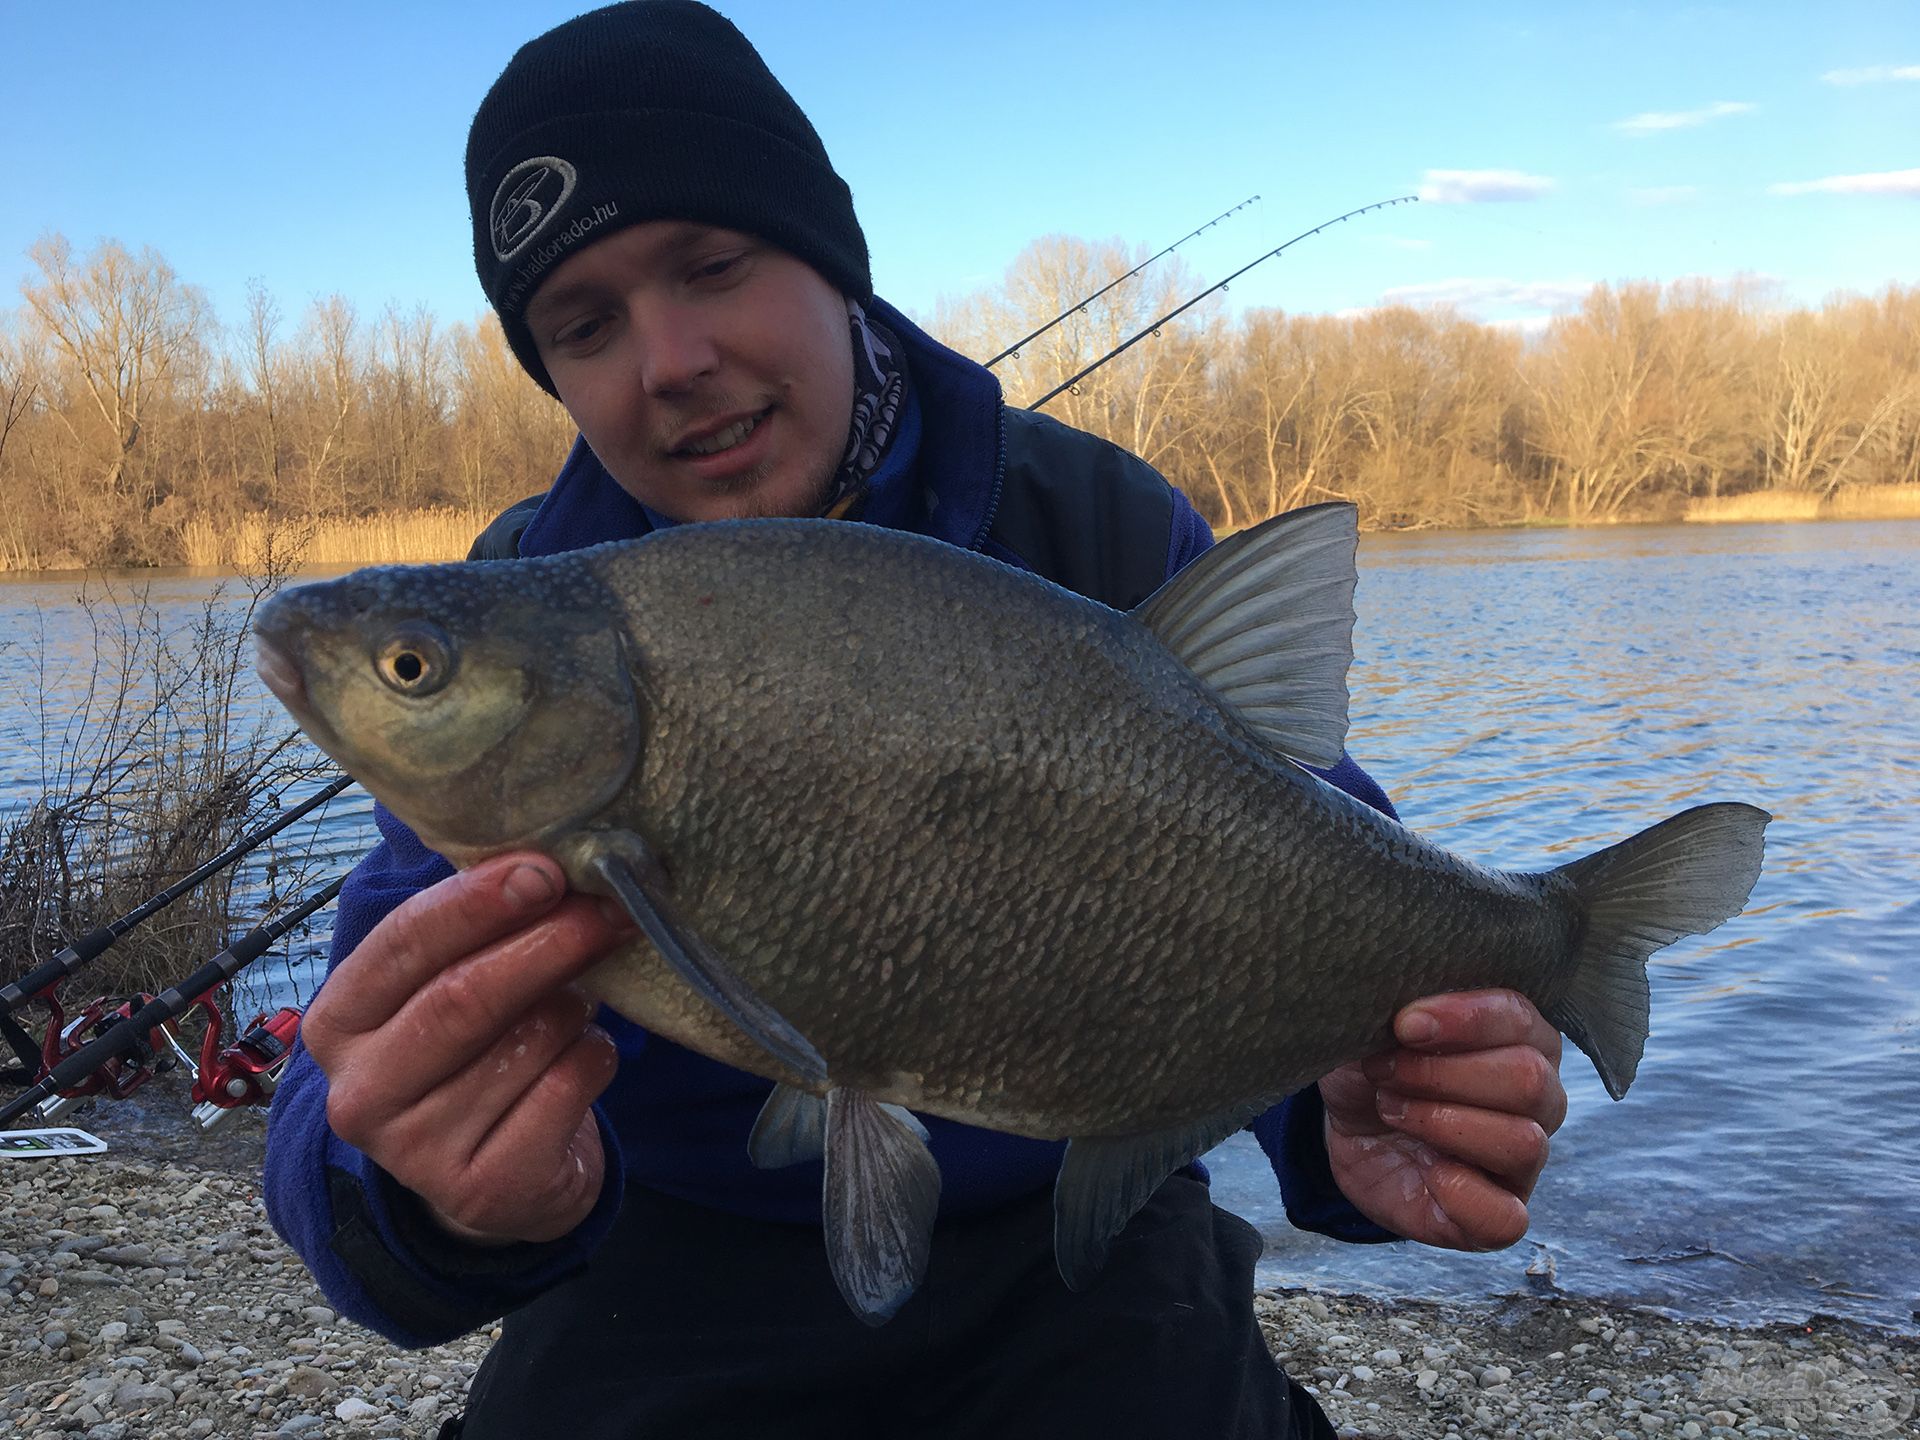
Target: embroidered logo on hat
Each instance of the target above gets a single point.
(529, 195)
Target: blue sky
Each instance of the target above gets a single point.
(318, 147)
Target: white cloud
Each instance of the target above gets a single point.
(1872, 74)
(1475, 187)
(1883, 182)
(1471, 295)
(1653, 121)
(1663, 194)
(1530, 326)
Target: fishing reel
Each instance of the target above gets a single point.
(246, 1072)
(115, 1051)
(153, 1052)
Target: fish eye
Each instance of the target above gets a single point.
(417, 659)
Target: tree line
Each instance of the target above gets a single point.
(127, 408)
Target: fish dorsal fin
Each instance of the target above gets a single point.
(1265, 618)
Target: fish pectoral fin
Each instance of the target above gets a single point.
(1105, 1179)
(622, 860)
(791, 1130)
(1265, 618)
(882, 1192)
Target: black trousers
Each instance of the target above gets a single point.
(697, 1324)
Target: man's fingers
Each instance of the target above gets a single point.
(429, 931)
(1470, 1211)
(1514, 1078)
(447, 1122)
(546, 1113)
(1475, 1020)
(549, 1134)
(480, 996)
(462, 1011)
(1511, 1148)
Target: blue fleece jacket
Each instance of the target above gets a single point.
(673, 1120)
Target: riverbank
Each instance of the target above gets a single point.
(249, 543)
(143, 1296)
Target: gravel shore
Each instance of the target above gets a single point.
(148, 1299)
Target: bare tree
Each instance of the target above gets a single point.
(1821, 410)
(124, 324)
(509, 435)
(407, 385)
(19, 384)
(125, 435)
(331, 386)
(1593, 381)
(263, 374)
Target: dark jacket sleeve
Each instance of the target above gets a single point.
(368, 1241)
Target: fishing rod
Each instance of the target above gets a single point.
(91, 945)
(1014, 349)
(1154, 328)
(127, 1037)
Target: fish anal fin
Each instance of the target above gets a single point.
(1105, 1179)
(881, 1197)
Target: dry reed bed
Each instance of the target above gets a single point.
(399, 537)
(1853, 502)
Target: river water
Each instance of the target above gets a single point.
(1527, 697)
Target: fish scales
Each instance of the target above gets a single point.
(904, 827)
(1047, 837)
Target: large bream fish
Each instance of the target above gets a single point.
(908, 829)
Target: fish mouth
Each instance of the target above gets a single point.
(279, 673)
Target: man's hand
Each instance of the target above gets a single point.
(1442, 1139)
(459, 1056)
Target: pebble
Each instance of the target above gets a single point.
(243, 1346)
(308, 1382)
(136, 1396)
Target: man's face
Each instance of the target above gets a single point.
(711, 372)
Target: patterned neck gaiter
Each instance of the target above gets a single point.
(879, 397)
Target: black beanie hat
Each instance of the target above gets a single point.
(648, 110)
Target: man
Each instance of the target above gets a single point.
(671, 253)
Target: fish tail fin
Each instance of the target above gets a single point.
(1681, 877)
